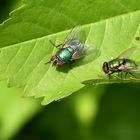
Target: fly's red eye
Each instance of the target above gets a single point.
(105, 67)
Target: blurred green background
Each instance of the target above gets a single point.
(101, 113)
(94, 113)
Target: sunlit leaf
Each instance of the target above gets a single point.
(26, 49)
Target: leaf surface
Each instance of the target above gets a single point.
(23, 56)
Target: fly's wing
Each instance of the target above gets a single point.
(127, 68)
(76, 39)
(127, 52)
(84, 50)
(79, 52)
(76, 33)
(73, 34)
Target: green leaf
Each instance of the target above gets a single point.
(24, 62)
(35, 19)
(25, 50)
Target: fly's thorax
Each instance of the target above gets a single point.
(115, 63)
(70, 49)
(65, 54)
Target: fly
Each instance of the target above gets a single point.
(72, 49)
(121, 64)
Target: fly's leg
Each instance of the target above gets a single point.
(132, 75)
(109, 75)
(126, 74)
(121, 75)
(118, 77)
(57, 46)
(118, 74)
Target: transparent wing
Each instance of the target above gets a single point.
(127, 53)
(73, 34)
(79, 53)
(136, 71)
(84, 50)
(91, 49)
(127, 68)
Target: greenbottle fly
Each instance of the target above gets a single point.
(69, 51)
(121, 64)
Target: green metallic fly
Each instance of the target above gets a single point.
(72, 49)
(121, 64)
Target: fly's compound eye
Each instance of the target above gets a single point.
(105, 67)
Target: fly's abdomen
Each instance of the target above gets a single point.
(130, 65)
(65, 54)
